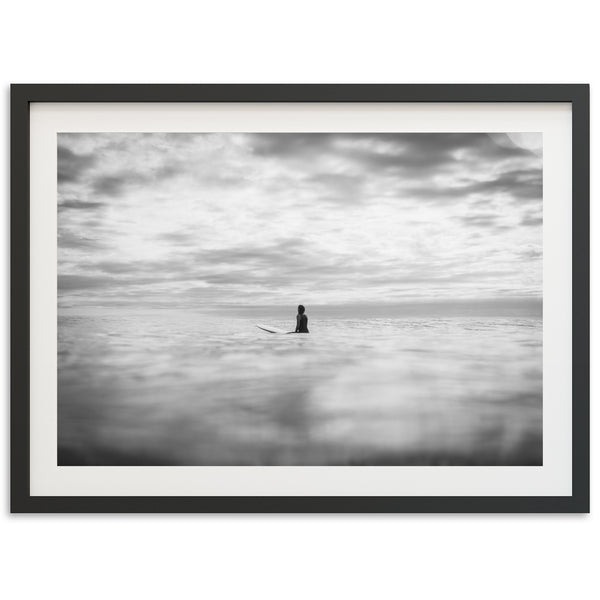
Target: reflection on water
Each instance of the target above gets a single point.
(177, 389)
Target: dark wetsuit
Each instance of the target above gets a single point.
(301, 324)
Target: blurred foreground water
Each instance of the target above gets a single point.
(174, 388)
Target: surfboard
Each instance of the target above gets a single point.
(273, 329)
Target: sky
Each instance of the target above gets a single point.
(215, 221)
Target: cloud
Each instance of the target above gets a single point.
(406, 153)
(529, 253)
(531, 221)
(479, 220)
(80, 205)
(290, 145)
(517, 185)
(164, 219)
(520, 184)
(72, 166)
(284, 250)
(116, 184)
(112, 185)
(81, 282)
(176, 237)
(71, 239)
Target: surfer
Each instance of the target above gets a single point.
(301, 321)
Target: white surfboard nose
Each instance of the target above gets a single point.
(273, 329)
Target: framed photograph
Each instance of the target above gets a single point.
(300, 298)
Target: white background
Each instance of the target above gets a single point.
(442, 556)
(553, 121)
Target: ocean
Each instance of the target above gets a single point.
(178, 387)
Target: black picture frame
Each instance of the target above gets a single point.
(22, 95)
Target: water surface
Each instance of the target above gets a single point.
(179, 388)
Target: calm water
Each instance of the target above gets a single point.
(171, 388)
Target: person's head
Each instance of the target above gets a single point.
(301, 309)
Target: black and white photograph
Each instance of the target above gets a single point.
(300, 299)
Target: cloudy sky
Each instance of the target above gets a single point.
(214, 220)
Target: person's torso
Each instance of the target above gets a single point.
(302, 323)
